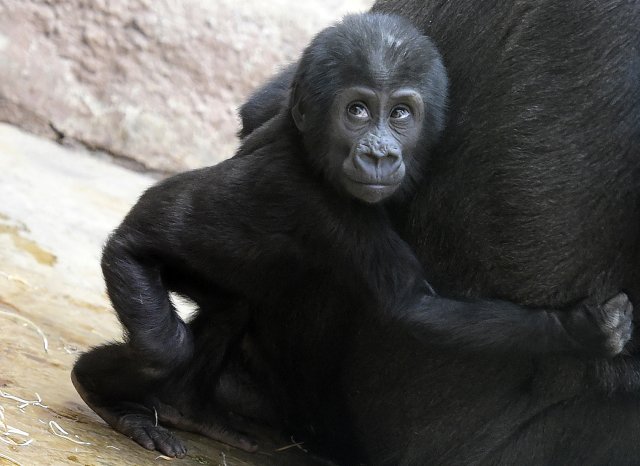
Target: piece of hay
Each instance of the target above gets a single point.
(6, 431)
(293, 444)
(8, 458)
(14, 278)
(10, 441)
(24, 403)
(13, 315)
(60, 432)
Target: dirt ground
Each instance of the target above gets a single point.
(56, 208)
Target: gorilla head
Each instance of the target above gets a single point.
(369, 94)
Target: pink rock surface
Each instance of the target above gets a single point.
(154, 82)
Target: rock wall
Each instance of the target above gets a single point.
(153, 82)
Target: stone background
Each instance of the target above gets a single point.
(155, 83)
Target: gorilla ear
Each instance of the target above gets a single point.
(297, 112)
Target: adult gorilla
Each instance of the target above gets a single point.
(532, 196)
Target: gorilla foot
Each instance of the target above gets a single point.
(217, 426)
(135, 420)
(226, 434)
(602, 329)
(142, 429)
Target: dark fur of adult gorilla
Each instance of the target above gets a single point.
(288, 248)
(532, 195)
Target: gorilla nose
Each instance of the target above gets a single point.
(380, 164)
(377, 154)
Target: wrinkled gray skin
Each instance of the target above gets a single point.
(372, 125)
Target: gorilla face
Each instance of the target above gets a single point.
(372, 131)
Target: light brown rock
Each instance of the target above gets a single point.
(157, 82)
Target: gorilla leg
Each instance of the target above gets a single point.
(154, 331)
(127, 407)
(183, 398)
(191, 399)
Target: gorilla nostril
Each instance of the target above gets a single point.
(393, 151)
(393, 166)
(382, 154)
(377, 165)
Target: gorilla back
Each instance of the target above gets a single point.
(533, 196)
(533, 191)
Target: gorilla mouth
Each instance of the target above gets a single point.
(374, 183)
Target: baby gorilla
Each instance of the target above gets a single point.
(289, 242)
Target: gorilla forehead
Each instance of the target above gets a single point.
(378, 50)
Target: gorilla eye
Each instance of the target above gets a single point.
(358, 110)
(400, 112)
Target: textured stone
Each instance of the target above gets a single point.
(157, 82)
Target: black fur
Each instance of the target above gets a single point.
(262, 101)
(314, 286)
(532, 196)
